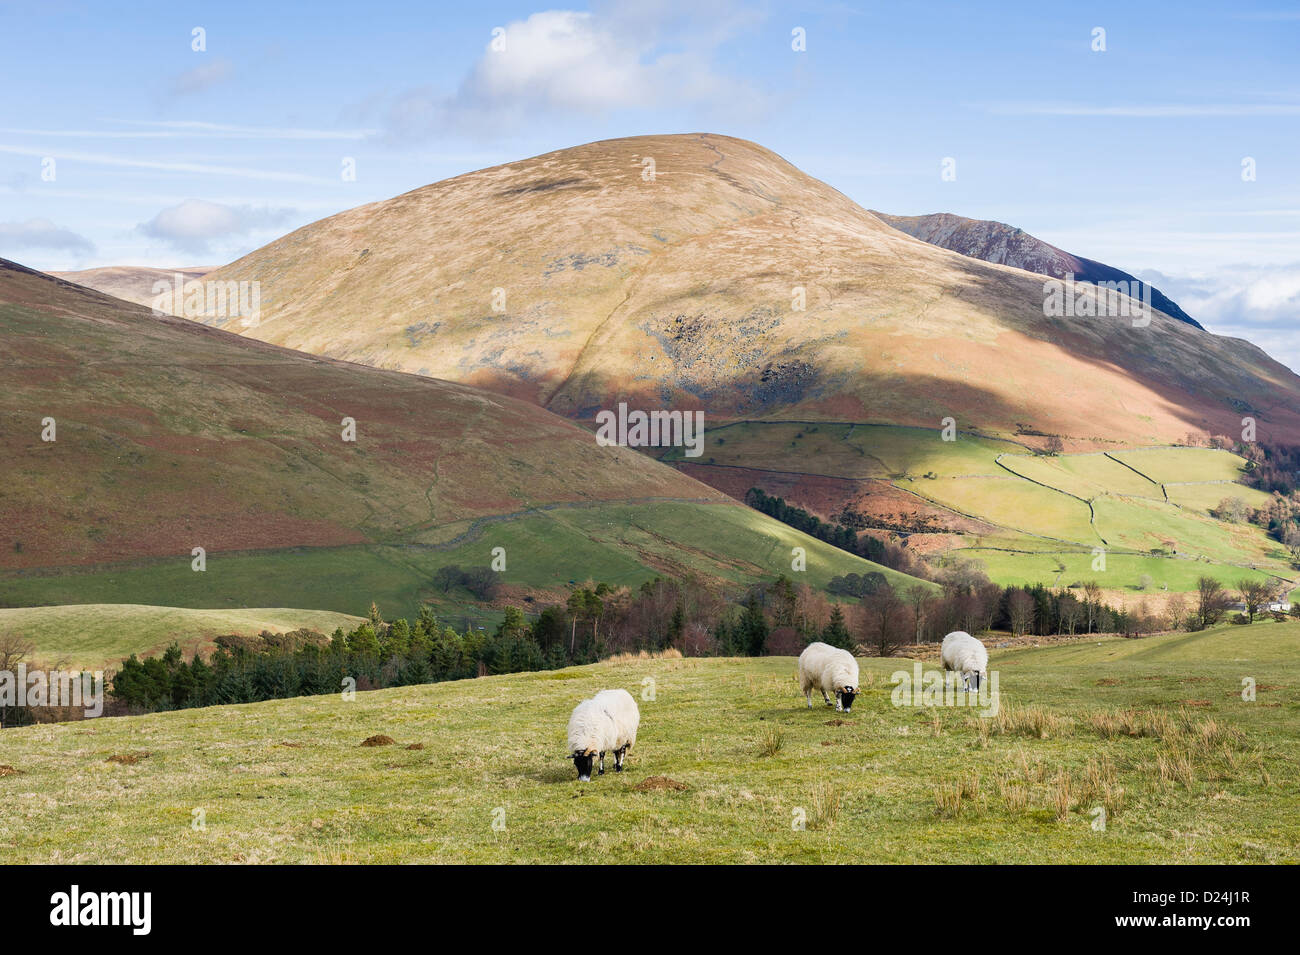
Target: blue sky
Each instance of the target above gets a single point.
(164, 155)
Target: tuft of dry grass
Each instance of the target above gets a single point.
(1133, 722)
(1037, 722)
(628, 657)
(948, 798)
(1034, 772)
(1014, 793)
(772, 741)
(1062, 795)
(952, 797)
(825, 806)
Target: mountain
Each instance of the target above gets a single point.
(131, 283)
(169, 435)
(1006, 245)
(665, 271)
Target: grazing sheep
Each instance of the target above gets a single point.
(966, 655)
(830, 670)
(606, 722)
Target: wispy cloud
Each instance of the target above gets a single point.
(189, 129)
(201, 77)
(103, 159)
(1146, 111)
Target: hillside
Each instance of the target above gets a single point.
(1154, 732)
(95, 636)
(1006, 245)
(170, 436)
(131, 283)
(677, 290)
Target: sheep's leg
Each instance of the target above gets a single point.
(827, 699)
(602, 763)
(839, 704)
(808, 694)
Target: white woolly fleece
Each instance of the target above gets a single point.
(826, 668)
(965, 654)
(606, 722)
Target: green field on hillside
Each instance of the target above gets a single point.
(1155, 732)
(1183, 465)
(1142, 525)
(1083, 475)
(1012, 503)
(1204, 497)
(546, 549)
(93, 636)
(848, 450)
(1038, 499)
(1123, 571)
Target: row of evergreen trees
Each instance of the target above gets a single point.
(372, 656)
(837, 535)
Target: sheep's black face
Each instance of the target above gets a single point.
(846, 697)
(582, 762)
(974, 681)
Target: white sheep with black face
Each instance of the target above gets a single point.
(966, 655)
(605, 723)
(831, 670)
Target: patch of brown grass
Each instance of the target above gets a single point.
(378, 740)
(1037, 722)
(1110, 724)
(659, 783)
(669, 654)
(128, 759)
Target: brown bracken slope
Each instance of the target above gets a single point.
(169, 433)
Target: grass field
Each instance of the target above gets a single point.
(1155, 731)
(93, 636)
(1123, 571)
(1083, 475)
(849, 450)
(1133, 501)
(1203, 497)
(621, 544)
(1183, 465)
(1015, 504)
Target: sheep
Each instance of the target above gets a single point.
(966, 655)
(606, 722)
(830, 670)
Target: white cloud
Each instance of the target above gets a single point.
(17, 237)
(1257, 303)
(191, 225)
(568, 61)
